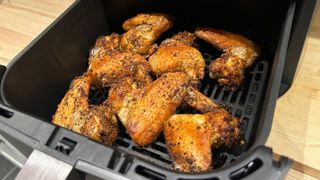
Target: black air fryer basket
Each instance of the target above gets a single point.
(36, 80)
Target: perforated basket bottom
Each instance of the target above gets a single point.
(242, 103)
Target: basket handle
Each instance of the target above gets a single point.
(261, 164)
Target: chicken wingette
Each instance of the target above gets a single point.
(74, 112)
(238, 54)
(143, 111)
(176, 54)
(190, 137)
(142, 32)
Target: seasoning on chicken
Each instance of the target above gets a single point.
(176, 54)
(122, 93)
(74, 112)
(144, 117)
(202, 103)
(189, 138)
(238, 54)
(115, 65)
(104, 45)
(142, 32)
(199, 101)
(188, 141)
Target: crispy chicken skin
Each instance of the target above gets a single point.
(204, 104)
(189, 138)
(110, 67)
(104, 45)
(226, 129)
(109, 43)
(238, 54)
(158, 102)
(74, 112)
(122, 93)
(142, 32)
(176, 54)
(199, 101)
(102, 124)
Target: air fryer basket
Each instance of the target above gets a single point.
(38, 78)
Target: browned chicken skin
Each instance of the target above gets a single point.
(143, 105)
(143, 118)
(74, 112)
(199, 101)
(142, 32)
(104, 45)
(189, 138)
(116, 64)
(108, 66)
(205, 105)
(226, 129)
(176, 54)
(238, 54)
(122, 93)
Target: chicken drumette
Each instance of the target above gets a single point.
(238, 54)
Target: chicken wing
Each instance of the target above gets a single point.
(74, 112)
(109, 68)
(142, 32)
(158, 101)
(176, 54)
(189, 138)
(238, 54)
